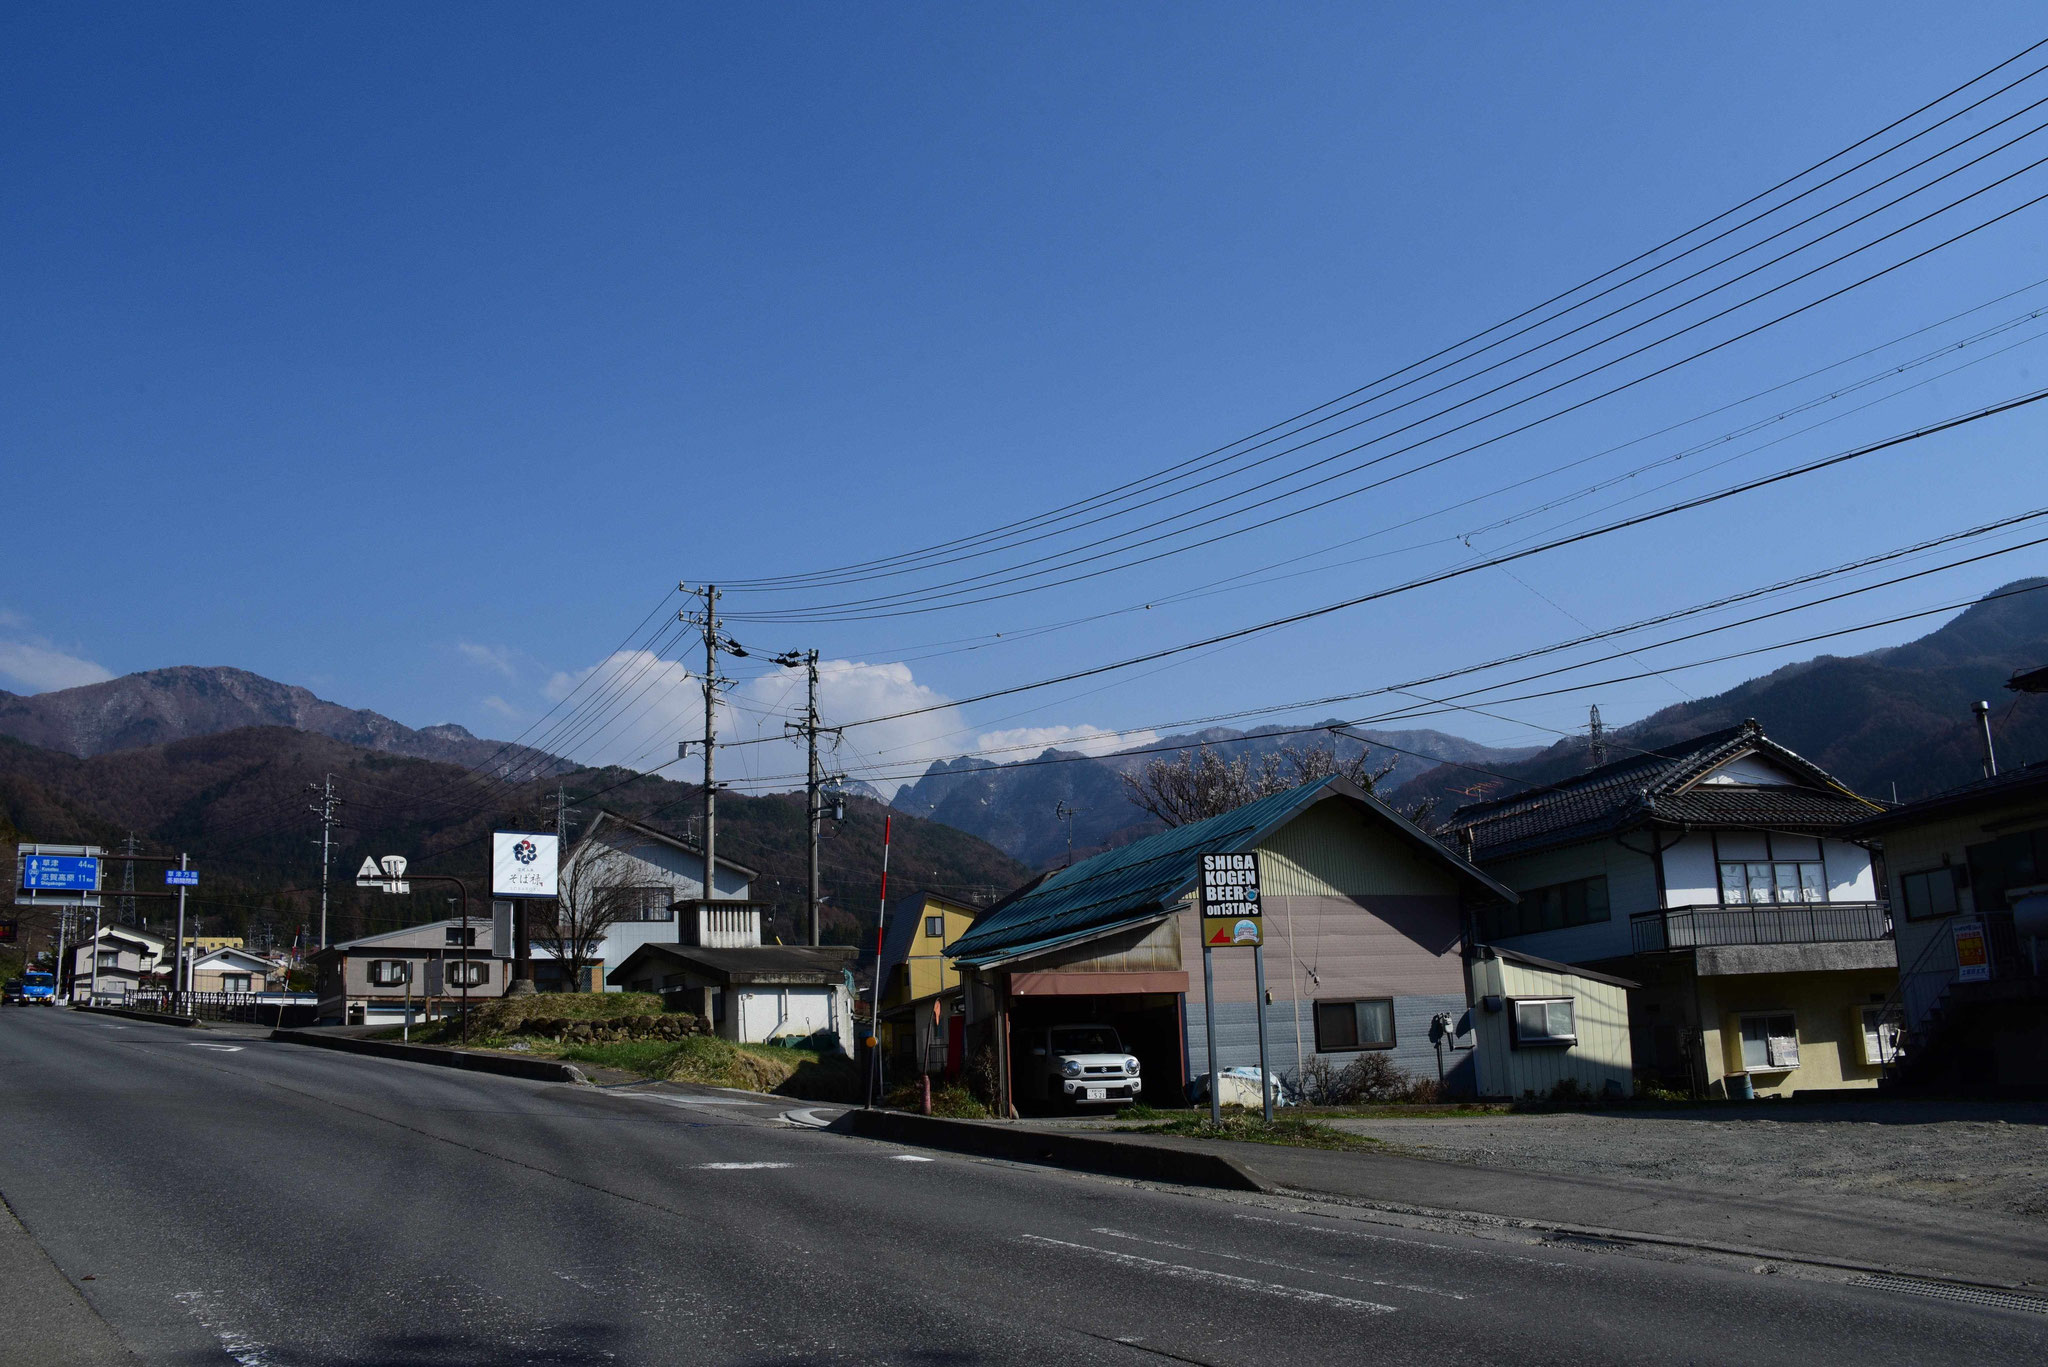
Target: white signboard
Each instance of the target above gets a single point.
(524, 863)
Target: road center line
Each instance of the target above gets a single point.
(910, 1158)
(1202, 1274)
(218, 1048)
(1407, 1243)
(1276, 1263)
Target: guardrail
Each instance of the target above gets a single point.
(279, 1010)
(1783, 923)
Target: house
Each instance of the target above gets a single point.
(113, 963)
(1725, 876)
(1968, 875)
(1366, 922)
(641, 875)
(923, 1019)
(233, 969)
(372, 980)
(749, 992)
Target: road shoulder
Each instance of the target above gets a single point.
(49, 1322)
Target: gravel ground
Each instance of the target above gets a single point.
(1977, 1156)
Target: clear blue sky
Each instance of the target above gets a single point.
(412, 352)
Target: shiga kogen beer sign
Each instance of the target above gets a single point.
(1230, 902)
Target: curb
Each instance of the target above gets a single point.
(532, 1069)
(154, 1017)
(1109, 1157)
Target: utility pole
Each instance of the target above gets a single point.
(1983, 711)
(325, 811)
(814, 778)
(1596, 739)
(180, 976)
(708, 621)
(1066, 811)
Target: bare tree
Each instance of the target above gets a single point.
(595, 887)
(1200, 783)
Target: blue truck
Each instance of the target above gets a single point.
(32, 989)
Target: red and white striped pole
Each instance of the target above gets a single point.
(875, 1002)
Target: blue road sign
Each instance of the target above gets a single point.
(59, 873)
(182, 878)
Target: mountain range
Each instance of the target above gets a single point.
(1896, 719)
(160, 706)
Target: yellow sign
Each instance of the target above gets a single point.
(1231, 932)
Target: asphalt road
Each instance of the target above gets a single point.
(223, 1199)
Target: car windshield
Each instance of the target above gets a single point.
(1086, 1039)
(37, 980)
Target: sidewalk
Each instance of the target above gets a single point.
(1908, 1240)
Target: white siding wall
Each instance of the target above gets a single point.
(1601, 1059)
(768, 1012)
(1849, 875)
(658, 864)
(1631, 887)
(1690, 877)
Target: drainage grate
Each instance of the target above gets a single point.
(1967, 1295)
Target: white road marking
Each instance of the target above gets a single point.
(1203, 1274)
(735, 1167)
(205, 1308)
(910, 1158)
(219, 1048)
(1410, 1243)
(1276, 1263)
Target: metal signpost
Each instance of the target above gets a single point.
(525, 866)
(1233, 918)
(61, 878)
(389, 873)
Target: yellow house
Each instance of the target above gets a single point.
(920, 1018)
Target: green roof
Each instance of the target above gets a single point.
(1142, 879)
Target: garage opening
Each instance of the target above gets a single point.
(1147, 1023)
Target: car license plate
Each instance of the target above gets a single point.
(1096, 1093)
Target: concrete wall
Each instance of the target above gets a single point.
(1821, 1004)
(1600, 1060)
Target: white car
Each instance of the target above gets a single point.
(1084, 1065)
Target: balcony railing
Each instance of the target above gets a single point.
(1784, 923)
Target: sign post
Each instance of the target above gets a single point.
(1233, 918)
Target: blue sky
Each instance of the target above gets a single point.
(412, 353)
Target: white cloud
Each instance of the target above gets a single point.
(40, 668)
(490, 657)
(11, 620)
(503, 708)
(1085, 739)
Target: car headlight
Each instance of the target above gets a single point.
(1131, 1066)
(1070, 1068)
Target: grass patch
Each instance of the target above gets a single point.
(803, 1073)
(1293, 1131)
(950, 1100)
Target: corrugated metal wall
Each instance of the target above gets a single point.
(1601, 1056)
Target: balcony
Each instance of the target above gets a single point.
(1785, 923)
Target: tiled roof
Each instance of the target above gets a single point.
(1658, 785)
(1127, 885)
(2026, 783)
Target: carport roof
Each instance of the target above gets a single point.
(1139, 881)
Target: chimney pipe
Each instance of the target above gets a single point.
(1983, 711)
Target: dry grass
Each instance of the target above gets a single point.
(1293, 1131)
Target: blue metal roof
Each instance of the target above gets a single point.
(1129, 884)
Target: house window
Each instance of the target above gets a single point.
(1543, 1021)
(1929, 895)
(935, 927)
(110, 958)
(644, 904)
(1764, 882)
(1345, 1026)
(1880, 1031)
(1552, 907)
(389, 972)
(461, 936)
(1770, 1043)
(234, 982)
(468, 972)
